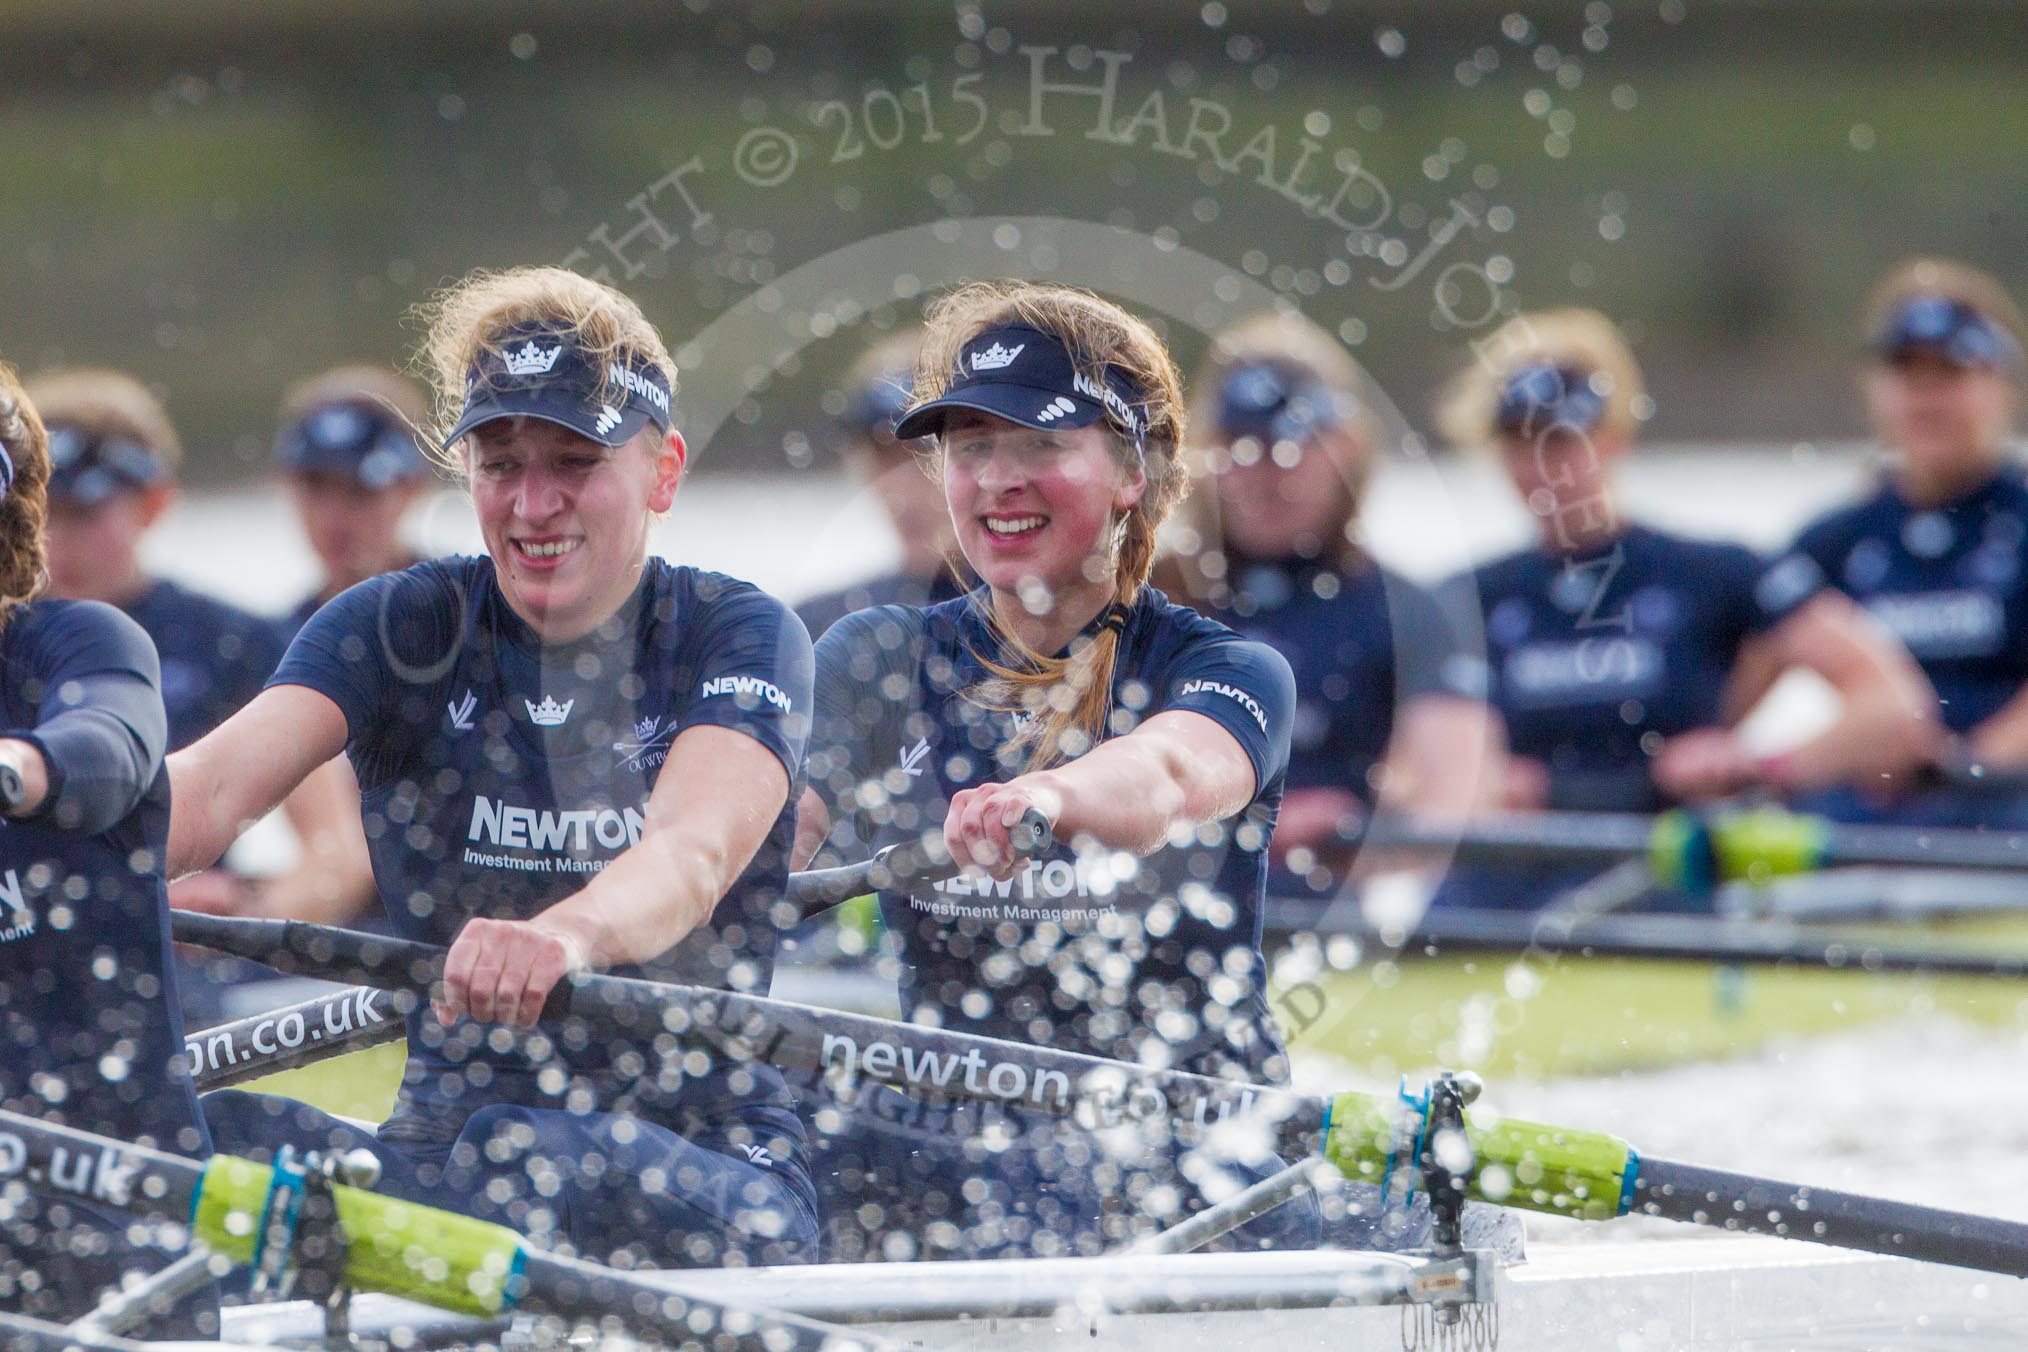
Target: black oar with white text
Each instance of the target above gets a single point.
(352, 1020)
(1372, 1138)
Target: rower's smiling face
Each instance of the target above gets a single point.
(1032, 504)
(565, 519)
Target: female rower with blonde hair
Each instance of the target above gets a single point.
(1934, 551)
(1622, 658)
(1153, 740)
(1390, 693)
(572, 756)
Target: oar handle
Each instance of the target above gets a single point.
(925, 860)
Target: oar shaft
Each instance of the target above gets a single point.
(930, 1062)
(1665, 938)
(1727, 844)
(1572, 840)
(153, 1184)
(1541, 1167)
(150, 1184)
(1713, 1197)
(346, 1020)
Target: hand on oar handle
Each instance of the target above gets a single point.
(503, 971)
(995, 827)
(926, 860)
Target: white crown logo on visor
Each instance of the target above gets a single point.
(995, 357)
(549, 714)
(530, 360)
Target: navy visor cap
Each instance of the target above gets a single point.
(1542, 396)
(356, 439)
(538, 371)
(1027, 376)
(879, 403)
(85, 470)
(1274, 404)
(1951, 329)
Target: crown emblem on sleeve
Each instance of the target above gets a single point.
(645, 728)
(549, 714)
(530, 360)
(996, 356)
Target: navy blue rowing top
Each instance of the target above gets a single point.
(90, 1032)
(1595, 660)
(1363, 645)
(215, 657)
(818, 613)
(1091, 951)
(498, 773)
(1947, 581)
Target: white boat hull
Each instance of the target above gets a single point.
(1646, 1296)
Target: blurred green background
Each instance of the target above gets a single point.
(225, 197)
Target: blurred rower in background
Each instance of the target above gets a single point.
(1390, 699)
(347, 451)
(1935, 553)
(1622, 658)
(114, 454)
(877, 390)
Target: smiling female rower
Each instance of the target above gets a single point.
(571, 756)
(1622, 657)
(1935, 551)
(90, 1033)
(1155, 742)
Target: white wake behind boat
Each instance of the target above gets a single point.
(1643, 1296)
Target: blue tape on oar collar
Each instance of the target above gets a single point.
(286, 1181)
(1419, 1105)
(1630, 1180)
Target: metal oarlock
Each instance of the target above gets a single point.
(303, 1248)
(1443, 1132)
(1456, 1311)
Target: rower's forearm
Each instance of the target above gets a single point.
(199, 829)
(1124, 796)
(646, 901)
(1877, 734)
(2002, 740)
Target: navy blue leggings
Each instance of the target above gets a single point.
(601, 1185)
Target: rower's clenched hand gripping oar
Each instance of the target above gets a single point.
(376, 1243)
(1695, 851)
(1374, 1138)
(926, 860)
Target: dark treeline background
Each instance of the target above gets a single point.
(224, 197)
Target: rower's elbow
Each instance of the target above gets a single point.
(1182, 796)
